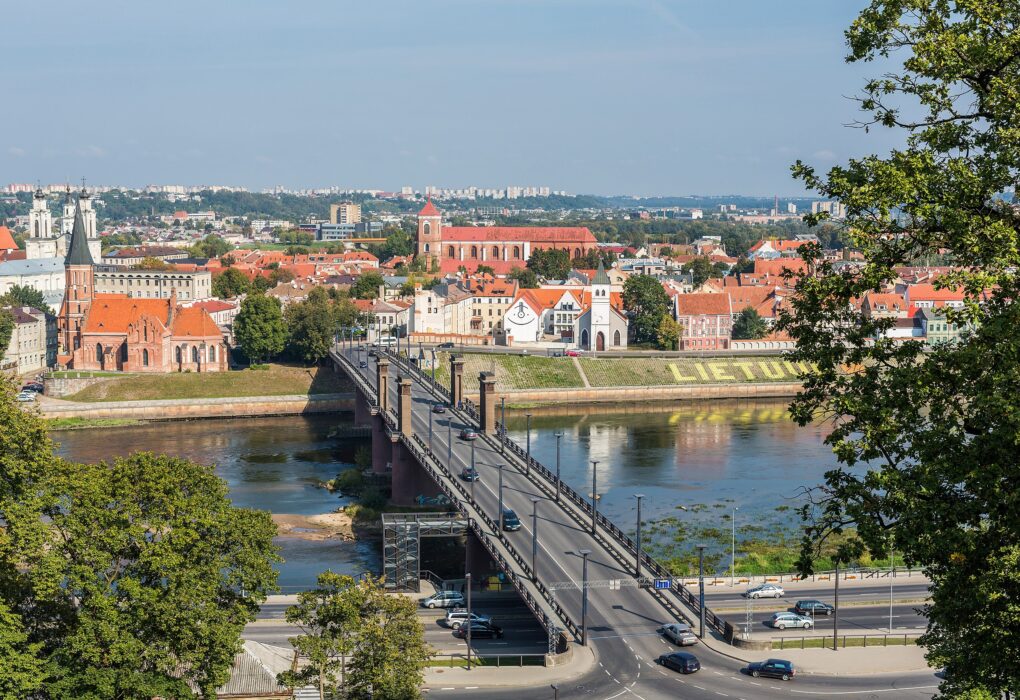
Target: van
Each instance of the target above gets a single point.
(386, 341)
(511, 523)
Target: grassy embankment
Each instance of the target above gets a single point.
(273, 380)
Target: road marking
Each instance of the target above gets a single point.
(723, 694)
(471, 687)
(862, 692)
(699, 687)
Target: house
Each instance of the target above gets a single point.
(927, 296)
(936, 328)
(772, 248)
(706, 320)
(30, 347)
(877, 305)
(603, 324)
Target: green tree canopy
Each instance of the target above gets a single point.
(669, 333)
(928, 440)
(749, 325)
(549, 263)
(647, 302)
(19, 295)
(212, 246)
(230, 283)
(367, 285)
(702, 269)
(259, 328)
(6, 330)
(151, 263)
(526, 277)
(313, 324)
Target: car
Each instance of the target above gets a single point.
(479, 630)
(438, 408)
(26, 396)
(373, 353)
(362, 365)
(443, 599)
(573, 353)
(458, 616)
(511, 523)
(682, 661)
(468, 434)
(34, 386)
(813, 607)
(557, 353)
(782, 620)
(765, 590)
(679, 633)
(445, 346)
(469, 474)
(524, 352)
(772, 668)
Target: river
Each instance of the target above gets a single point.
(710, 458)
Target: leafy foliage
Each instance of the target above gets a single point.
(312, 324)
(749, 325)
(230, 283)
(928, 440)
(151, 263)
(550, 263)
(702, 269)
(668, 333)
(212, 246)
(6, 330)
(647, 302)
(259, 327)
(19, 295)
(525, 277)
(367, 285)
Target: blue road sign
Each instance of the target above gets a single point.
(663, 584)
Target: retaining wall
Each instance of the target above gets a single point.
(180, 409)
(740, 390)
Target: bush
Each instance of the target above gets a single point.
(372, 499)
(349, 482)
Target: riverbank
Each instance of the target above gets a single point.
(79, 414)
(316, 528)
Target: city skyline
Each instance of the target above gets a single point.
(607, 98)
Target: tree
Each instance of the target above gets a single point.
(130, 579)
(669, 333)
(151, 263)
(18, 295)
(259, 328)
(935, 427)
(526, 278)
(749, 325)
(550, 263)
(485, 270)
(212, 246)
(295, 237)
(230, 283)
(6, 330)
(367, 285)
(702, 270)
(311, 326)
(647, 302)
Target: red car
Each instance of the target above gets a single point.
(573, 353)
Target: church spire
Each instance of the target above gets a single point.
(78, 251)
(600, 276)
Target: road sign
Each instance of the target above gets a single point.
(663, 584)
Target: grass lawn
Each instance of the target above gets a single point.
(664, 371)
(277, 380)
(82, 423)
(875, 640)
(513, 371)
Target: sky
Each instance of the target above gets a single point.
(642, 97)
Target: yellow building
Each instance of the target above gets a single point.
(345, 213)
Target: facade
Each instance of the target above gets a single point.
(44, 274)
(500, 247)
(345, 213)
(129, 257)
(116, 332)
(602, 326)
(154, 284)
(44, 242)
(936, 328)
(30, 346)
(706, 320)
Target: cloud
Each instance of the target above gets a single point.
(16, 152)
(91, 151)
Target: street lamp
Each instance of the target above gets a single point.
(431, 411)
(534, 536)
(637, 557)
(527, 463)
(835, 612)
(733, 546)
(701, 588)
(556, 691)
(559, 434)
(502, 424)
(467, 583)
(594, 495)
(584, 596)
(500, 490)
(433, 351)
(449, 441)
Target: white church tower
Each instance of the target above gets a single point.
(67, 217)
(40, 219)
(601, 310)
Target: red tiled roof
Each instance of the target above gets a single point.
(700, 304)
(429, 209)
(194, 322)
(535, 234)
(214, 305)
(6, 239)
(113, 313)
(928, 292)
(776, 267)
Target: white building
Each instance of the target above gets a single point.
(44, 274)
(29, 348)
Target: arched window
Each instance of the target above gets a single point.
(616, 337)
(145, 331)
(195, 357)
(145, 358)
(517, 252)
(179, 353)
(123, 352)
(426, 247)
(584, 338)
(495, 252)
(600, 341)
(99, 352)
(77, 342)
(212, 353)
(427, 229)
(577, 253)
(474, 251)
(450, 252)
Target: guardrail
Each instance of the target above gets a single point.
(845, 640)
(492, 660)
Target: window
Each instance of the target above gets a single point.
(427, 229)
(426, 247)
(212, 353)
(179, 353)
(145, 358)
(495, 252)
(194, 354)
(616, 338)
(99, 352)
(474, 251)
(123, 352)
(450, 252)
(517, 252)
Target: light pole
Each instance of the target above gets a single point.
(835, 613)
(467, 583)
(449, 441)
(527, 462)
(559, 434)
(637, 557)
(733, 546)
(431, 411)
(594, 495)
(584, 596)
(433, 351)
(534, 536)
(502, 424)
(701, 588)
(500, 490)
(556, 691)
(892, 574)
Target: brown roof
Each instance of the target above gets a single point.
(703, 304)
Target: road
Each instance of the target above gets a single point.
(621, 623)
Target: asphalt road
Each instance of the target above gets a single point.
(621, 623)
(868, 619)
(903, 589)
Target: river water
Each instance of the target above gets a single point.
(709, 458)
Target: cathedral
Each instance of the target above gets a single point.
(44, 242)
(117, 332)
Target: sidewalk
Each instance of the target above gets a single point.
(582, 661)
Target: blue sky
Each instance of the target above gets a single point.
(592, 96)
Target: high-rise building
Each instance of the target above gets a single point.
(345, 213)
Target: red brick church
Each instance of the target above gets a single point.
(500, 247)
(116, 332)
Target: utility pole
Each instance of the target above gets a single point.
(502, 424)
(559, 434)
(449, 441)
(701, 588)
(584, 596)
(594, 495)
(467, 583)
(534, 537)
(892, 575)
(527, 462)
(500, 498)
(637, 556)
(835, 613)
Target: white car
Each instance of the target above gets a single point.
(679, 633)
(458, 616)
(26, 396)
(782, 620)
(765, 590)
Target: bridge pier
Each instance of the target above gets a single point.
(487, 402)
(382, 376)
(456, 380)
(362, 412)
(381, 450)
(409, 479)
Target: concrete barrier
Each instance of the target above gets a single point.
(631, 394)
(182, 409)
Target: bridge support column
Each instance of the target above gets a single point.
(409, 479)
(362, 415)
(477, 561)
(456, 380)
(404, 406)
(381, 449)
(382, 376)
(487, 399)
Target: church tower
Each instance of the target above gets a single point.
(67, 216)
(430, 232)
(88, 214)
(40, 220)
(601, 309)
(79, 288)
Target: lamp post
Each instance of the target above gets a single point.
(431, 411)
(594, 495)
(500, 496)
(892, 575)
(637, 557)
(835, 612)
(556, 691)
(502, 425)
(433, 351)
(467, 583)
(559, 434)
(449, 441)
(527, 462)
(733, 546)
(701, 588)
(534, 536)
(584, 596)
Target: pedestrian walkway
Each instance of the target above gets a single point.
(581, 662)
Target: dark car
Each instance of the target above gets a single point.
(682, 661)
(772, 668)
(511, 523)
(373, 353)
(438, 408)
(363, 365)
(469, 474)
(444, 346)
(480, 630)
(34, 386)
(468, 434)
(813, 607)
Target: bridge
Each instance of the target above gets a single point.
(563, 543)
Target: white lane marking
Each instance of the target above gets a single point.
(862, 692)
(723, 694)
(447, 688)
(699, 687)
(471, 687)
